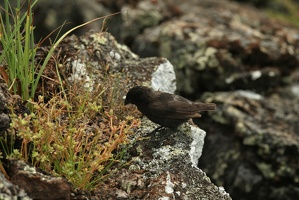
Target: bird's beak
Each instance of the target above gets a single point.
(126, 100)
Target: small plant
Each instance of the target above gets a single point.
(76, 136)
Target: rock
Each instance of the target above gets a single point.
(248, 64)
(9, 191)
(38, 184)
(258, 155)
(97, 51)
(216, 45)
(164, 166)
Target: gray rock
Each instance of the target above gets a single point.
(258, 155)
(252, 142)
(38, 184)
(216, 45)
(9, 191)
(165, 166)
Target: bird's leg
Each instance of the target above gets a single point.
(157, 129)
(153, 132)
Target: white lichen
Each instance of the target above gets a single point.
(80, 74)
(163, 79)
(169, 185)
(196, 146)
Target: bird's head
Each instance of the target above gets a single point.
(138, 94)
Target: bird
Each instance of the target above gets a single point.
(166, 109)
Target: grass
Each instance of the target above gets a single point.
(76, 133)
(17, 40)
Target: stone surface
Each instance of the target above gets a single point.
(94, 52)
(248, 64)
(258, 157)
(38, 184)
(215, 45)
(9, 191)
(164, 167)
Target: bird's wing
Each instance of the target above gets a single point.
(174, 107)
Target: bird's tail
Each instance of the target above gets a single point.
(205, 106)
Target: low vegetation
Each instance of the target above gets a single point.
(73, 132)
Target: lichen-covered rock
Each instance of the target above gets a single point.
(38, 184)
(258, 155)
(94, 53)
(164, 166)
(252, 141)
(216, 45)
(9, 191)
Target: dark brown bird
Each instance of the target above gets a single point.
(168, 110)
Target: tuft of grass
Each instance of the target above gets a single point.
(77, 136)
(18, 54)
(18, 59)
